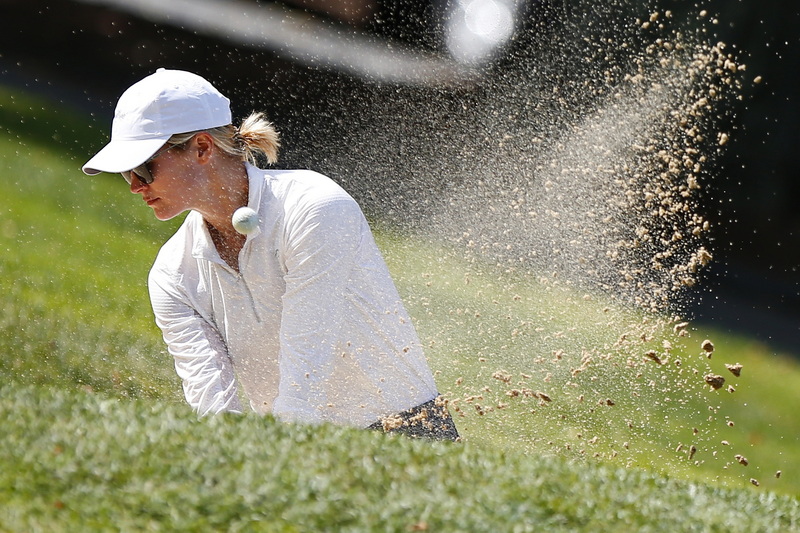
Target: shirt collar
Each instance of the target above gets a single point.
(203, 246)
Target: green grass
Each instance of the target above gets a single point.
(92, 463)
(74, 266)
(514, 323)
(95, 435)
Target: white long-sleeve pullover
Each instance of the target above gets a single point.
(311, 328)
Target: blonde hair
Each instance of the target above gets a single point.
(255, 137)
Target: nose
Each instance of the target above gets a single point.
(136, 184)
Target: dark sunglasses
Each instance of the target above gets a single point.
(142, 172)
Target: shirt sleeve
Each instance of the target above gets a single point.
(322, 248)
(201, 359)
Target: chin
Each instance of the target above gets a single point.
(164, 215)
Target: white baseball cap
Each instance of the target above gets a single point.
(150, 111)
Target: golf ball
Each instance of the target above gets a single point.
(245, 220)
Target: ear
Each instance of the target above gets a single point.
(204, 147)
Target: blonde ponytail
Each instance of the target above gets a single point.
(255, 136)
(258, 136)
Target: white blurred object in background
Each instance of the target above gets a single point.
(476, 30)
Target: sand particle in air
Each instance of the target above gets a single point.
(736, 369)
(707, 346)
(715, 381)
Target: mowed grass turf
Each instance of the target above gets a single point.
(624, 410)
(89, 463)
(95, 435)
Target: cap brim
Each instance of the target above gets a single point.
(120, 156)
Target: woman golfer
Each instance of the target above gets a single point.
(297, 313)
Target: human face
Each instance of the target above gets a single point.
(178, 184)
(143, 171)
